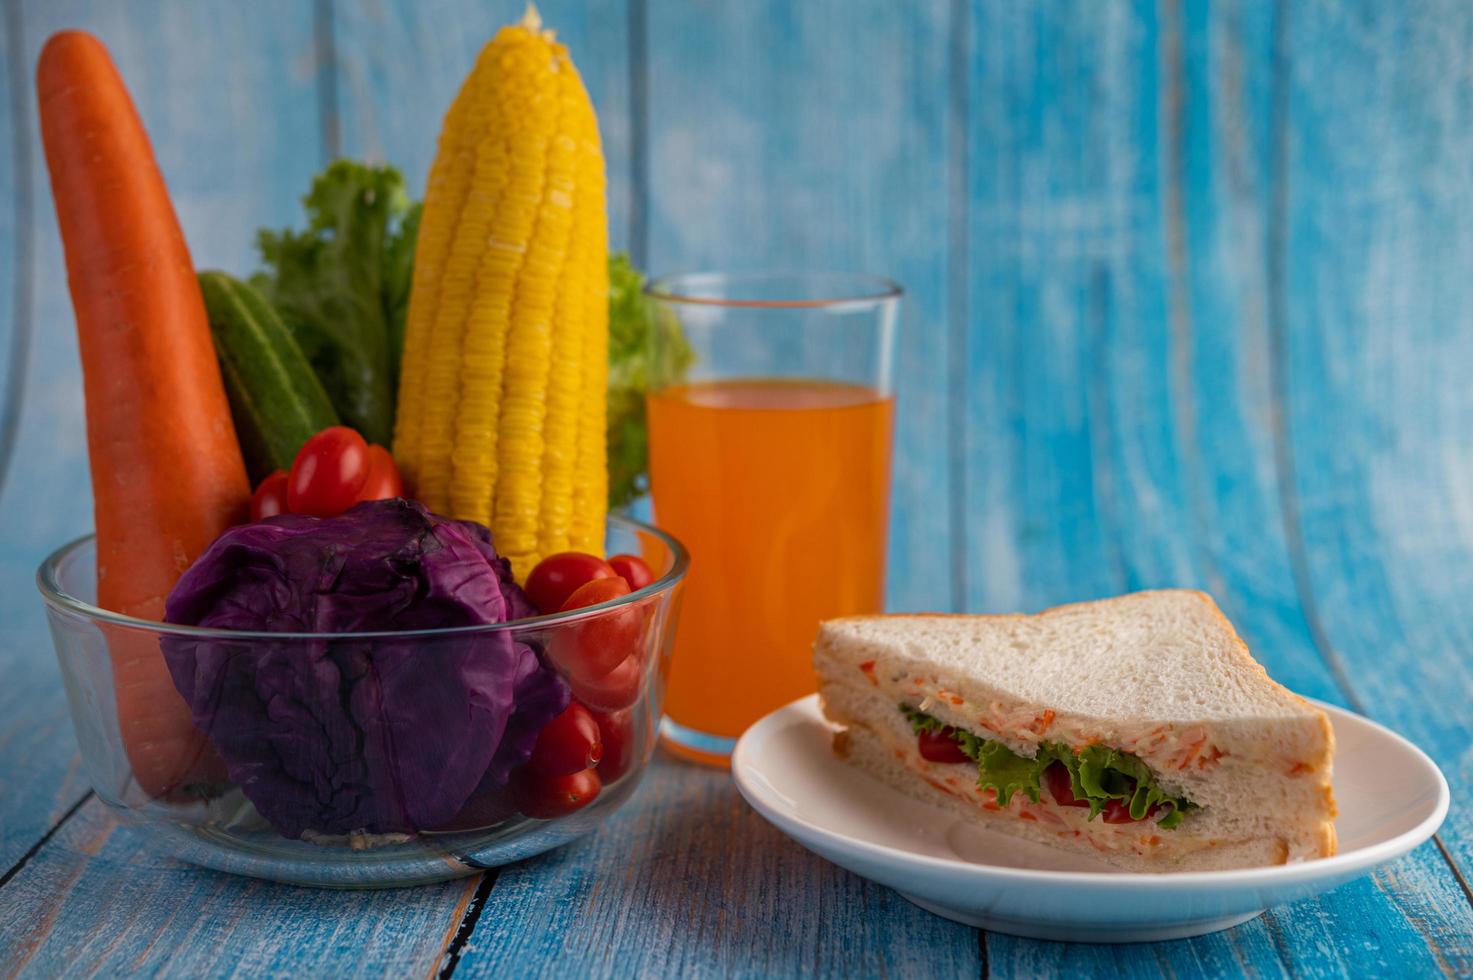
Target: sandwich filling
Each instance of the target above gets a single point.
(1115, 784)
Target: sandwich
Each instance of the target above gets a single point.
(1137, 728)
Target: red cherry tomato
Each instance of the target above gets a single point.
(329, 471)
(596, 646)
(940, 746)
(270, 497)
(383, 481)
(569, 743)
(1060, 786)
(594, 592)
(1118, 811)
(632, 569)
(546, 796)
(621, 747)
(619, 688)
(557, 577)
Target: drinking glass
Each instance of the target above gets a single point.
(770, 420)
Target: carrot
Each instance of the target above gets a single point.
(167, 473)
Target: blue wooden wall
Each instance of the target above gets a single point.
(1190, 303)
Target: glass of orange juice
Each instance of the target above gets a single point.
(770, 422)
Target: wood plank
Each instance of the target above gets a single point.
(41, 775)
(197, 102)
(689, 881)
(17, 228)
(1121, 375)
(1219, 350)
(795, 157)
(1043, 218)
(1376, 320)
(400, 63)
(97, 899)
(228, 96)
(39, 782)
(1118, 364)
(817, 136)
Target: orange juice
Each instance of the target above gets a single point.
(780, 489)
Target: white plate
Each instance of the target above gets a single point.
(1391, 798)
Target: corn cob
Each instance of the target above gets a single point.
(591, 468)
(505, 374)
(448, 187)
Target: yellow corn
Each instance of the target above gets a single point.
(591, 467)
(505, 375)
(445, 197)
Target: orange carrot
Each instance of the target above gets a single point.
(167, 473)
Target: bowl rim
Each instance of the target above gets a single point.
(57, 598)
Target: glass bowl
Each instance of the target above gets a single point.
(323, 732)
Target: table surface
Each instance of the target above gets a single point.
(1189, 304)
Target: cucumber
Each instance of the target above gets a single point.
(275, 398)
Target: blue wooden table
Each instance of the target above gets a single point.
(1190, 303)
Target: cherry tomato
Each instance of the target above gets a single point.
(940, 746)
(1118, 811)
(594, 592)
(546, 796)
(632, 569)
(621, 748)
(383, 481)
(596, 646)
(557, 577)
(569, 743)
(329, 471)
(619, 688)
(1061, 786)
(270, 497)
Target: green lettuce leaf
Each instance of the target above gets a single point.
(1096, 773)
(342, 286)
(1007, 772)
(646, 346)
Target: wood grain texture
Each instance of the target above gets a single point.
(1045, 226)
(1237, 64)
(41, 777)
(1377, 316)
(689, 881)
(1222, 159)
(399, 64)
(97, 900)
(17, 231)
(815, 136)
(227, 94)
(1193, 278)
(1116, 252)
(196, 99)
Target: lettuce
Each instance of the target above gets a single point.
(1098, 774)
(342, 286)
(638, 336)
(379, 735)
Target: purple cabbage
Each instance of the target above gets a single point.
(380, 735)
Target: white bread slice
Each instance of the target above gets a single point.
(1160, 674)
